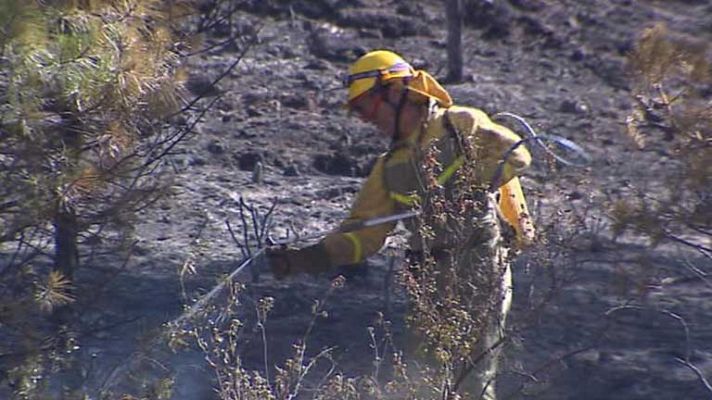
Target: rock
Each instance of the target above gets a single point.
(318, 9)
(370, 33)
(420, 63)
(391, 26)
(578, 55)
(329, 42)
(336, 164)
(226, 104)
(625, 47)
(256, 97)
(528, 5)
(575, 195)
(253, 112)
(291, 170)
(201, 85)
(247, 161)
(610, 70)
(410, 8)
(221, 29)
(181, 120)
(300, 101)
(197, 162)
(317, 65)
(329, 193)
(282, 51)
(535, 27)
(215, 147)
(315, 9)
(493, 17)
(258, 173)
(573, 107)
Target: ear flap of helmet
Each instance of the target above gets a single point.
(424, 84)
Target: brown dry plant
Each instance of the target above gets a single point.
(672, 115)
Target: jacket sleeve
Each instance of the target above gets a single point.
(373, 200)
(491, 141)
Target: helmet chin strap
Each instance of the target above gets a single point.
(399, 109)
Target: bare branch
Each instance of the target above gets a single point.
(697, 372)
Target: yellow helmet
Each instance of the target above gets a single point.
(380, 66)
(373, 68)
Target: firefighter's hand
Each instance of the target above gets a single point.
(285, 261)
(278, 260)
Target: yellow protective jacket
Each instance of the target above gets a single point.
(394, 181)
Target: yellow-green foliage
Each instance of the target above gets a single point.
(77, 79)
(80, 84)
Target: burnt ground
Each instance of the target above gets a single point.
(616, 313)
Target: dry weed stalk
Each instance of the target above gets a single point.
(456, 295)
(222, 340)
(672, 76)
(668, 200)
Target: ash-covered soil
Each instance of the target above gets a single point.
(559, 64)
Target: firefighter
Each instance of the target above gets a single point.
(433, 142)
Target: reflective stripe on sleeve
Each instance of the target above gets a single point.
(407, 199)
(411, 199)
(450, 170)
(358, 248)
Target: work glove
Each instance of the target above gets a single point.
(279, 259)
(284, 261)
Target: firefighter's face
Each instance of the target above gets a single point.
(376, 108)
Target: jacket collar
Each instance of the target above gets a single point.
(426, 130)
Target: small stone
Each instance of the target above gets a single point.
(253, 112)
(338, 163)
(226, 105)
(573, 107)
(575, 195)
(201, 85)
(215, 147)
(258, 173)
(578, 55)
(296, 101)
(291, 170)
(197, 162)
(247, 161)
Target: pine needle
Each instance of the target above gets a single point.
(55, 292)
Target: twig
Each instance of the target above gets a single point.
(201, 303)
(307, 368)
(245, 226)
(254, 40)
(263, 332)
(377, 357)
(686, 242)
(180, 136)
(702, 275)
(266, 222)
(547, 365)
(255, 223)
(387, 284)
(469, 365)
(697, 372)
(101, 286)
(235, 239)
(686, 360)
